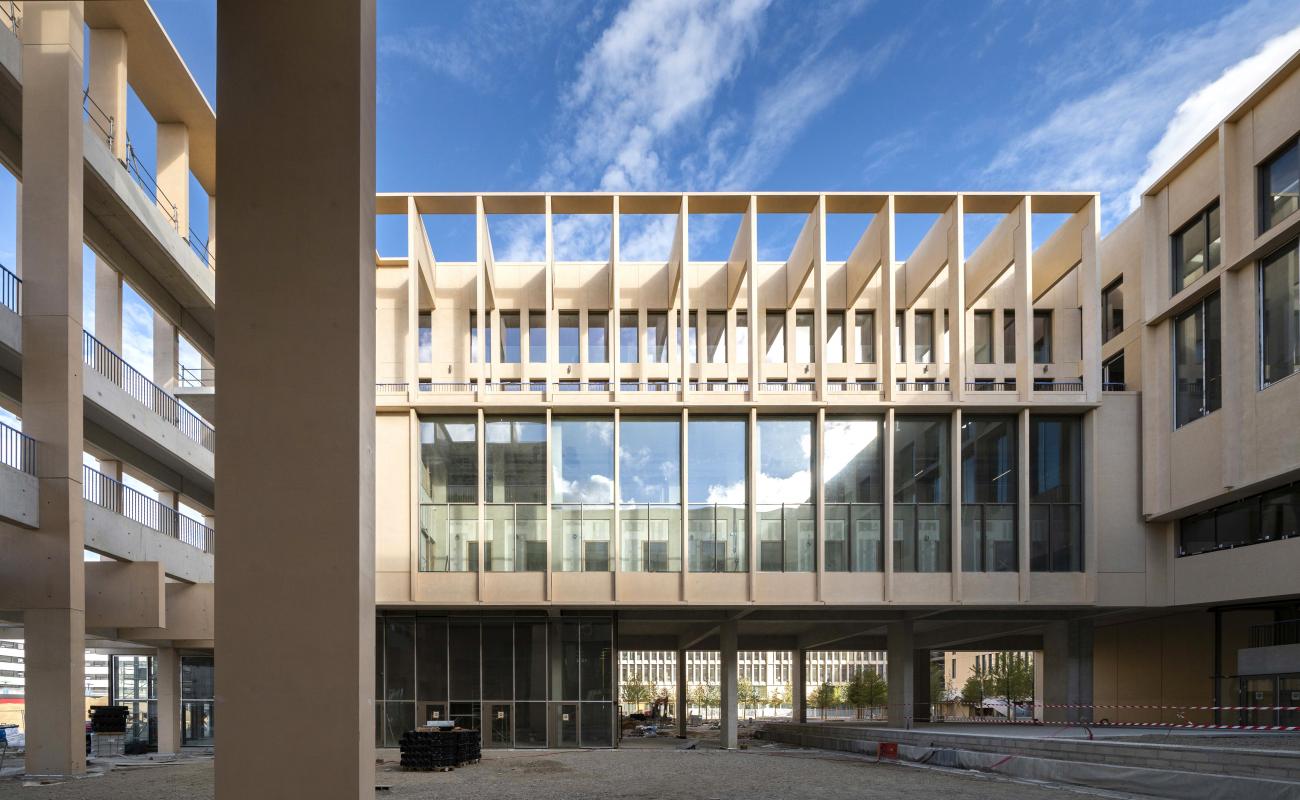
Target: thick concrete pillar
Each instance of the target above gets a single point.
(108, 82)
(727, 645)
(52, 578)
(1067, 672)
(899, 670)
(108, 305)
(167, 671)
(297, 531)
(680, 711)
(799, 685)
(165, 347)
(174, 172)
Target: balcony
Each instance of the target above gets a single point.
(19, 490)
(197, 388)
(11, 324)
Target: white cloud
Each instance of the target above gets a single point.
(1206, 107)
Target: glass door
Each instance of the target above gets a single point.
(1288, 690)
(433, 712)
(500, 725)
(1257, 692)
(568, 726)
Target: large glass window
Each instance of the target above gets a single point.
(1055, 494)
(742, 337)
(988, 487)
(1196, 248)
(923, 323)
(922, 494)
(570, 336)
(649, 494)
(983, 337)
(1112, 372)
(448, 494)
(1279, 314)
(1112, 310)
(854, 469)
(718, 492)
(1008, 336)
(803, 337)
(628, 350)
(582, 494)
(656, 337)
(715, 333)
(835, 337)
(1197, 388)
(1042, 337)
(510, 337)
(787, 517)
(514, 535)
(865, 323)
(597, 337)
(774, 325)
(1265, 517)
(1279, 185)
(537, 337)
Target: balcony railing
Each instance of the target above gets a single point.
(854, 386)
(98, 117)
(785, 386)
(136, 169)
(105, 492)
(990, 386)
(391, 387)
(719, 386)
(1274, 634)
(200, 378)
(923, 386)
(17, 449)
(1058, 386)
(11, 290)
(109, 364)
(11, 16)
(1113, 386)
(447, 386)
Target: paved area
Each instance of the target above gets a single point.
(659, 770)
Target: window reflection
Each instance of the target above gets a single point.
(988, 488)
(786, 515)
(717, 493)
(921, 494)
(448, 495)
(649, 459)
(1055, 494)
(582, 494)
(514, 524)
(854, 472)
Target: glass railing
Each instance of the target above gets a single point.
(105, 492)
(718, 537)
(651, 537)
(787, 537)
(853, 537)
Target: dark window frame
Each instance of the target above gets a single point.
(1201, 217)
(1263, 197)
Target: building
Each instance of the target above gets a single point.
(11, 670)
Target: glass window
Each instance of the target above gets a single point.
(1279, 314)
(1196, 362)
(656, 333)
(983, 337)
(514, 533)
(866, 327)
(510, 337)
(854, 470)
(803, 337)
(1196, 248)
(582, 493)
(774, 322)
(716, 337)
(742, 337)
(1008, 336)
(923, 323)
(834, 337)
(628, 350)
(1042, 337)
(692, 337)
(900, 337)
(787, 518)
(1055, 494)
(426, 337)
(988, 487)
(1112, 310)
(1112, 372)
(597, 337)
(718, 494)
(569, 337)
(1280, 513)
(537, 337)
(448, 494)
(921, 494)
(474, 332)
(1279, 184)
(649, 492)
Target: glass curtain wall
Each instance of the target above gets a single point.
(133, 683)
(198, 701)
(1055, 494)
(448, 494)
(650, 494)
(582, 494)
(514, 511)
(988, 487)
(854, 469)
(717, 493)
(787, 515)
(1279, 312)
(922, 493)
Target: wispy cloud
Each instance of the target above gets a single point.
(1099, 141)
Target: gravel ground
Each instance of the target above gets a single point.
(630, 772)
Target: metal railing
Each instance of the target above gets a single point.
(922, 386)
(785, 386)
(854, 386)
(729, 386)
(12, 15)
(11, 290)
(391, 387)
(1113, 386)
(201, 378)
(98, 117)
(202, 249)
(149, 394)
(1273, 634)
(990, 386)
(17, 449)
(581, 386)
(446, 386)
(649, 386)
(136, 169)
(1058, 386)
(106, 492)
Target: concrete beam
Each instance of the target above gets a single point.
(864, 260)
(125, 594)
(190, 616)
(741, 260)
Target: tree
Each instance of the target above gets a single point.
(712, 698)
(825, 696)
(698, 696)
(975, 689)
(938, 686)
(636, 693)
(866, 689)
(1011, 677)
(777, 698)
(748, 695)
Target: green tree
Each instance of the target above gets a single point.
(698, 696)
(825, 696)
(1011, 677)
(975, 689)
(939, 690)
(866, 689)
(748, 695)
(636, 693)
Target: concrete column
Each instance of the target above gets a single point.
(727, 672)
(898, 668)
(108, 305)
(52, 579)
(1024, 300)
(799, 685)
(309, 538)
(1067, 671)
(165, 346)
(681, 694)
(212, 227)
(108, 82)
(174, 173)
(167, 669)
